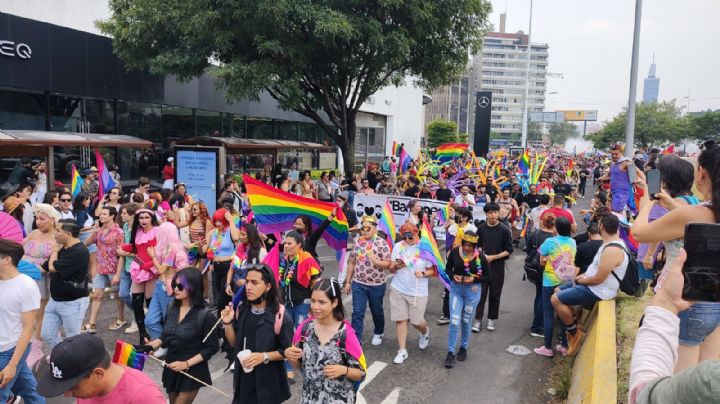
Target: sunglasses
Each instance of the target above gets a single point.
(366, 228)
(178, 286)
(65, 200)
(406, 236)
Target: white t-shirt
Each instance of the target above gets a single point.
(608, 289)
(404, 280)
(535, 214)
(17, 295)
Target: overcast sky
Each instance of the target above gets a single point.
(591, 42)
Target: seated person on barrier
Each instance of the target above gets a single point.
(656, 352)
(595, 284)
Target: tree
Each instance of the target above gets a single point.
(442, 131)
(655, 124)
(534, 131)
(464, 138)
(559, 132)
(705, 126)
(320, 58)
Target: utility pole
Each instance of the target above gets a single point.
(630, 125)
(523, 140)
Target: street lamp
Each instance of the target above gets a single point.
(523, 140)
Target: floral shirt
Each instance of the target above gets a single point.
(365, 272)
(107, 241)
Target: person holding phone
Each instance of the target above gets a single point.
(699, 335)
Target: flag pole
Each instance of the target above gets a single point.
(163, 363)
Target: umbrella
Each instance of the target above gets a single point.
(9, 228)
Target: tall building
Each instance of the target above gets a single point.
(651, 86)
(500, 68)
(453, 102)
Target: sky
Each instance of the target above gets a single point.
(591, 45)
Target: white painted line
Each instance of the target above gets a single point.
(393, 397)
(372, 371)
(218, 373)
(330, 258)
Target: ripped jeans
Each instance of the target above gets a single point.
(463, 301)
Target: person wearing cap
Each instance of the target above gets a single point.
(20, 300)
(409, 289)
(14, 207)
(91, 185)
(168, 174)
(80, 367)
(366, 278)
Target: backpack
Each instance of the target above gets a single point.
(531, 266)
(630, 283)
(341, 344)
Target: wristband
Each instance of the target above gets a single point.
(224, 323)
(187, 364)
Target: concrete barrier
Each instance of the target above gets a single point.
(594, 375)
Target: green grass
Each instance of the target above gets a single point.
(629, 310)
(560, 377)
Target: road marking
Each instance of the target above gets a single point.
(372, 371)
(218, 373)
(393, 397)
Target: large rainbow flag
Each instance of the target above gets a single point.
(429, 251)
(524, 163)
(125, 354)
(77, 181)
(445, 153)
(105, 181)
(276, 210)
(405, 160)
(387, 224)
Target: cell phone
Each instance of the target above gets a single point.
(702, 267)
(401, 263)
(632, 173)
(653, 183)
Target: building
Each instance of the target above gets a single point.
(501, 68)
(651, 86)
(63, 76)
(453, 102)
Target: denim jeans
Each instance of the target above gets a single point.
(157, 310)
(298, 314)
(549, 318)
(24, 383)
(68, 315)
(537, 324)
(362, 295)
(463, 301)
(124, 288)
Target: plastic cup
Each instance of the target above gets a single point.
(242, 355)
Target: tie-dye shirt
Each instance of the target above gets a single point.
(559, 252)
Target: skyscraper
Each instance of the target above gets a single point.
(651, 86)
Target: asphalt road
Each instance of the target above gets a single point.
(490, 374)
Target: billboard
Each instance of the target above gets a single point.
(548, 117)
(580, 115)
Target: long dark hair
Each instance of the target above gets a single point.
(136, 224)
(191, 279)
(255, 243)
(78, 202)
(331, 288)
(272, 296)
(676, 175)
(710, 160)
(307, 222)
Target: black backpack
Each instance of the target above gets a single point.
(532, 267)
(630, 283)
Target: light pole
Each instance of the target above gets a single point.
(523, 140)
(630, 125)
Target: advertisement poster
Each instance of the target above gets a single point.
(197, 169)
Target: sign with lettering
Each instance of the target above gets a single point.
(198, 170)
(15, 49)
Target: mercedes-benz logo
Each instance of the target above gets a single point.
(483, 102)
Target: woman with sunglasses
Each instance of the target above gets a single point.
(142, 270)
(320, 349)
(250, 250)
(187, 323)
(220, 248)
(366, 278)
(467, 267)
(111, 199)
(259, 325)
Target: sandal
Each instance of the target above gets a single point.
(89, 328)
(117, 324)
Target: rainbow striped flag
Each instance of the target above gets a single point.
(395, 149)
(77, 181)
(429, 251)
(275, 211)
(125, 354)
(444, 214)
(387, 224)
(105, 181)
(524, 163)
(405, 160)
(445, 153)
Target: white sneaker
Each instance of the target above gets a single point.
(160, 353)
(377, 339)
(491, 325)
(477, 326)
(424, 339)
(400, 357)
(132, 329)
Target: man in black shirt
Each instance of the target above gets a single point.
(496, 243)
(68, 272)
(443, 194)
(586, 251)
(532, 199)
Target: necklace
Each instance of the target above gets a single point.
(216, 241)
(363, 248)
(253, 310)
(468, 259)
(287, 269)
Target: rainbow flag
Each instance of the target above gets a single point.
(429, 251)
(444, 214)
(395, 149)
(275, 211)
(405, 160)
(105, 181)
(524, 164)
(125, 354)
(387, 224)
(445, 153)
(77, 181)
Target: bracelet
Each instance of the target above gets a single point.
(187, 364)
(347, 370)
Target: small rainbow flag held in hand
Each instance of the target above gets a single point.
(444, 214)
(125, 354)
(77, 181)
(405, 160)
(387, 224)
(395, 149)
(524, 163)
(447, 152)
(429, 251)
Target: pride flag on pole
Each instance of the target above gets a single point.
(429, 251)
(405, 160)
(395, 149)
(77, 181)
(445, 153)
(125, 354)
(387, 224)
(524, 164)
(105, 181)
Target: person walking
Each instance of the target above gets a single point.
(220, 246)
(123, 278)
(534, 241)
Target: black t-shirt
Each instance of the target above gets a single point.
(494, 240)
(425, 195)
(456, 266)
(533, 201)
(584, 174)
(518, 196)
(247, 391)
(412, 191)
(586, 253)
(71, 266)
(492, 192)
(443, 195)
(564, 189)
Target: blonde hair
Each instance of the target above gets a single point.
(47, 210)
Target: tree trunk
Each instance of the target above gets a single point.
(348, 149)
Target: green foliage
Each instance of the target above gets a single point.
(534, 131)
(464, 138)
(705, 126)
(655, 124)
(442, 131)
(559, 132)
(320, 58)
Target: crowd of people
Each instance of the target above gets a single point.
(197, 283)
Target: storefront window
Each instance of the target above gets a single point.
(177, 123)
(259, 128)
(287, 130)
(22, 110)
(233, 125)
(65, 113)
(308, 132)
(208, 123)
(252, 163)
(139, 119)
(99, 115)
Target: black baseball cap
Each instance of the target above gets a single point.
(70, 361)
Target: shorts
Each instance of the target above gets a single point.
(578, 295)
(698, 322)
(404, 307)
(44, 286)
(92, 248)
(101, 281)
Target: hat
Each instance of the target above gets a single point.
(344, 194)
(369, 219)
(409, 228)
(11, 203)
(170, 159)
(469, 238)
(93, 169)
(70, 361)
